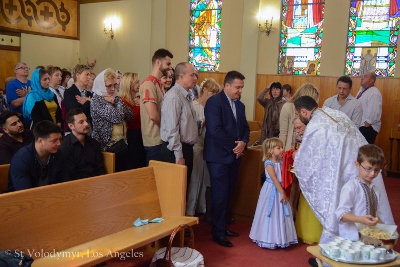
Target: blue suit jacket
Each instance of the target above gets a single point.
(222, 130)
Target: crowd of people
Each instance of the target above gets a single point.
(57, 125)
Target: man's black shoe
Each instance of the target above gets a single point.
(313, 262)
(230, 233)
(222, 241)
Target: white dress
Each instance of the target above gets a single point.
(273, 224)
(353, 200)
(196, 200)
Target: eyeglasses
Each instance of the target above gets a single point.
(369, 169)
(115, 85)
(25, 68)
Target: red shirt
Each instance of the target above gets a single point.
(135, 123)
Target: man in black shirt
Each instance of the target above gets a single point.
(83, 154)
(14, 137)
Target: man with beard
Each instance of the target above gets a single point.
(178, 121)
(40, 163)
(83, 154)
(325, 162)
(151, 95)
(14, 137)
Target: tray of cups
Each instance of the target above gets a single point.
(346, 251)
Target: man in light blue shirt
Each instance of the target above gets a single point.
(345, 102)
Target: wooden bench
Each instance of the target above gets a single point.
(89, 221)
(4, 177)
(109, 162)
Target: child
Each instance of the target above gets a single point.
(359, 197)
(273, 224)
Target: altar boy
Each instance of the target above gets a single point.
(360, 197)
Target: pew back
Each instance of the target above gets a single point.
(60, 216)
(4, 177)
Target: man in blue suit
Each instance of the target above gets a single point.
(227, 135)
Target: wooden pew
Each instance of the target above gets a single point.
(248, 186)
(4, 177)
(254, 136)
(254, 125)
(89, 221)
(109, 162)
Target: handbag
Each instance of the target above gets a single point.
(177, 257)
(118, 147)
(11, 258)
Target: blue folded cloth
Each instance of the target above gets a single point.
(140, 222)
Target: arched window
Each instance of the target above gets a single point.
(372, 37)
(205, 34)
(301, 37)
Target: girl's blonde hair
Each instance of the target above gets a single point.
(268, 145)
(306, 89)
(211, 85)
(128, 79)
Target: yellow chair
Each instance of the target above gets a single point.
(109, 162)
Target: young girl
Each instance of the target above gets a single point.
(273, 224)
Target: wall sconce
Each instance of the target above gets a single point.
(108, 31)
(265, 27)
(110, 25)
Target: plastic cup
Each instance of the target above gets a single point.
(365, 253)
(375, 254)
(357, 254)
(334, 251)
(349, 254)
(383, 253)
(343, 249)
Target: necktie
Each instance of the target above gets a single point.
(233, 108)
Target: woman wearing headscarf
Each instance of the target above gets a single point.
(109, 115)
(41, 103)
(272, 109)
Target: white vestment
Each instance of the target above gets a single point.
(325, 162)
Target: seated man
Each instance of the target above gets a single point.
(14, 137)
(40, 163)
(83, 154)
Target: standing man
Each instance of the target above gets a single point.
(226, 138)
(178, 119)
(15, 136)
(151, 95)
(77, 96)
(345, 102)
(17, 89)
(325, 162)
(371, 101)
(82, 152)
(40, 163)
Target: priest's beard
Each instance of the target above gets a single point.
(304, 119)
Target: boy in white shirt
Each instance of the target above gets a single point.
(359, 197)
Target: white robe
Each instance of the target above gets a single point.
(325, 162)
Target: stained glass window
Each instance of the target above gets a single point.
(301, 37)
(372, 37)
(205, 34)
